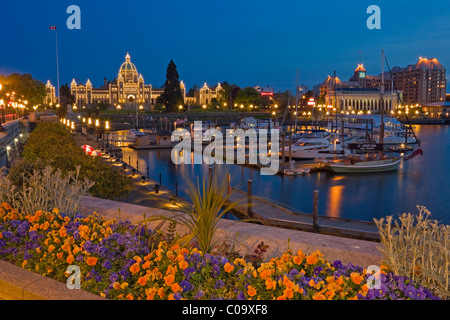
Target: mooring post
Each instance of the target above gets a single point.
(210, 175)
(176, 189)
(148, 176)
(228, 186)
(290, 150)
(315, 210)
(160, 179)
(282, 151)
(249, 198)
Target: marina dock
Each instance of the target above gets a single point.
(270, 213)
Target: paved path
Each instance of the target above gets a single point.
(141, 193)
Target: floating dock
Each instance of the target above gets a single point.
(270, 213)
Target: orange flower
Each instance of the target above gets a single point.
(66, 247)
(135, 268)
(297, 260)
(1, 236)
(146, 265)
(142, 280)
(288, 293)
(63, 232)
(251, 291)
(228, 267)
(356, 278)
(183, 265)
(161, 292)
(169, 279)
(330, 294)
(51, 248)
(91, 261)
(312, 259)
(270, 284)
(265, 273)
(175, 287)
(318, 296)
(129, 296)
(116, 286)
(59, 255)
(70, 259)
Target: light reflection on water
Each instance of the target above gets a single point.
(419, 181)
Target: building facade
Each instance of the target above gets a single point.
(421, 83)
(50, 97)
(129, 87)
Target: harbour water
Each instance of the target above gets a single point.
(423, 180)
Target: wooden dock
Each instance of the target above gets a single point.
(270, 213)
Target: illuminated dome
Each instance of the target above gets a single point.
(128, 70)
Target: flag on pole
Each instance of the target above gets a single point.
(52, 27)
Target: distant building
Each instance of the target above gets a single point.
(363, 99)
(206, 94)
(421, 83)
(50, 97)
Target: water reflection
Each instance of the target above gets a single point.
(419, 181)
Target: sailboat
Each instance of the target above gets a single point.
(368, 164)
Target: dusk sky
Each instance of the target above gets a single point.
(244, 42)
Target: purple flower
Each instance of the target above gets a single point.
(293, 273)
(219, 284)
(410, 292)
(106, 264)
(186, 285)
(241, 296)
(317, 270)
(7, 234)
(198, 295)
(113, 277)
(215, 270)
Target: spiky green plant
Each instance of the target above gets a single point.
(418, 247)
(209, 203)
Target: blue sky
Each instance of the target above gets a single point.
(245, 42)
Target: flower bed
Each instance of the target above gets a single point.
(119, 260)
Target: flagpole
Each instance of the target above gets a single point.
(57, 65)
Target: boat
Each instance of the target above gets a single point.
(372, 162)
(363, 166)
(133, 133)
(316, 144)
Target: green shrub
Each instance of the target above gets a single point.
(52, 145)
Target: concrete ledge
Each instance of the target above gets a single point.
(20, 284)
(357, 252)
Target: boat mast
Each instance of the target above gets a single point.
(382, 106)
(296, 103)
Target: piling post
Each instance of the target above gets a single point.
(160, 179)
(210, 175)
(249, 198)
(290, 149)
(176, 188)
(282, 151)
(228, 186)
(315, 210)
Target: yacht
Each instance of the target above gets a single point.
(133, 133)
(319, 144)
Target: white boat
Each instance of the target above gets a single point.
(361, 166)
(371, 122)
(318, 144)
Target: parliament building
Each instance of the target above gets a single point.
(129, 88)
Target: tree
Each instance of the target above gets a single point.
(172, 96)
(24, 87)
(248, 96)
